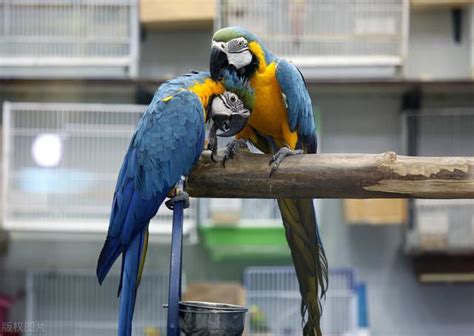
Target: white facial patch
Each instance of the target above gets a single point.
(218, 108)
(240, 59)
(237, 51)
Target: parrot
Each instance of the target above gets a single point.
(282, 124)
(165, 145)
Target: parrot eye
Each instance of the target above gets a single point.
(233, 99)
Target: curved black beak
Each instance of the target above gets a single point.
(230, 125)
(217, 63)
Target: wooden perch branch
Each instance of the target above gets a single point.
(385, 175)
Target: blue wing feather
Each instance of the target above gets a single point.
(166, 144)
(299, 107)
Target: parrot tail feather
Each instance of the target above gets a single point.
(309, 259)
(110, 252)
(129, 280)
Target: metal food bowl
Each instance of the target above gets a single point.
(198, 318)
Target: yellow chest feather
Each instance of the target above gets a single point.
(269, 115)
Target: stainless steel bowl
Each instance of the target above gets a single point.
(199, 318)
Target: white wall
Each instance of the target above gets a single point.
(433, 53)
(165, 55)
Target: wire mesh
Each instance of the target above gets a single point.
(321, 32)
(442, 225)
(68, 33)
(274, 300)
(72, 303)
(75, 193)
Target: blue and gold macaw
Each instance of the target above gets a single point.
(282, 123)
(167, 142)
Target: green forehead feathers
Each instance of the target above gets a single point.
(230, 33)
(239, 86)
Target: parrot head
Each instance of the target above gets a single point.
(236, 49)
(231, 109)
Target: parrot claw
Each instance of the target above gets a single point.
(279, 156)
(232, 148)
(182, 196)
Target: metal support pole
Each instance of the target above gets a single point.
(176, 258)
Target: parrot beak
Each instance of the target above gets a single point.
(230, 125)
(218, 62)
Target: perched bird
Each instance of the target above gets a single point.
(282, 123)
(165, 145)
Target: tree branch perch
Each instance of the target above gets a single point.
(385, 175)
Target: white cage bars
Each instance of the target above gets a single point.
(71, 38)
(273, 299)
(371, 34)
(442, 225)
(72, 303)
(61, 163)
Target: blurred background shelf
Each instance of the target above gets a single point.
(169, 14)
(430, 4)
(375, 211)
(444, 268)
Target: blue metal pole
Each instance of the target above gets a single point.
(174, 295)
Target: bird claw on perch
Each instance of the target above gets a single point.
(181, 196)
(279, 156)
(232, 148)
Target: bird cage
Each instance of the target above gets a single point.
(274, 302)
(69, 38)
(327, 38)
(61, 162)
(72, 303)
(441, 225)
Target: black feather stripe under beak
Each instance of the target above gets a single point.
(217, 63)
